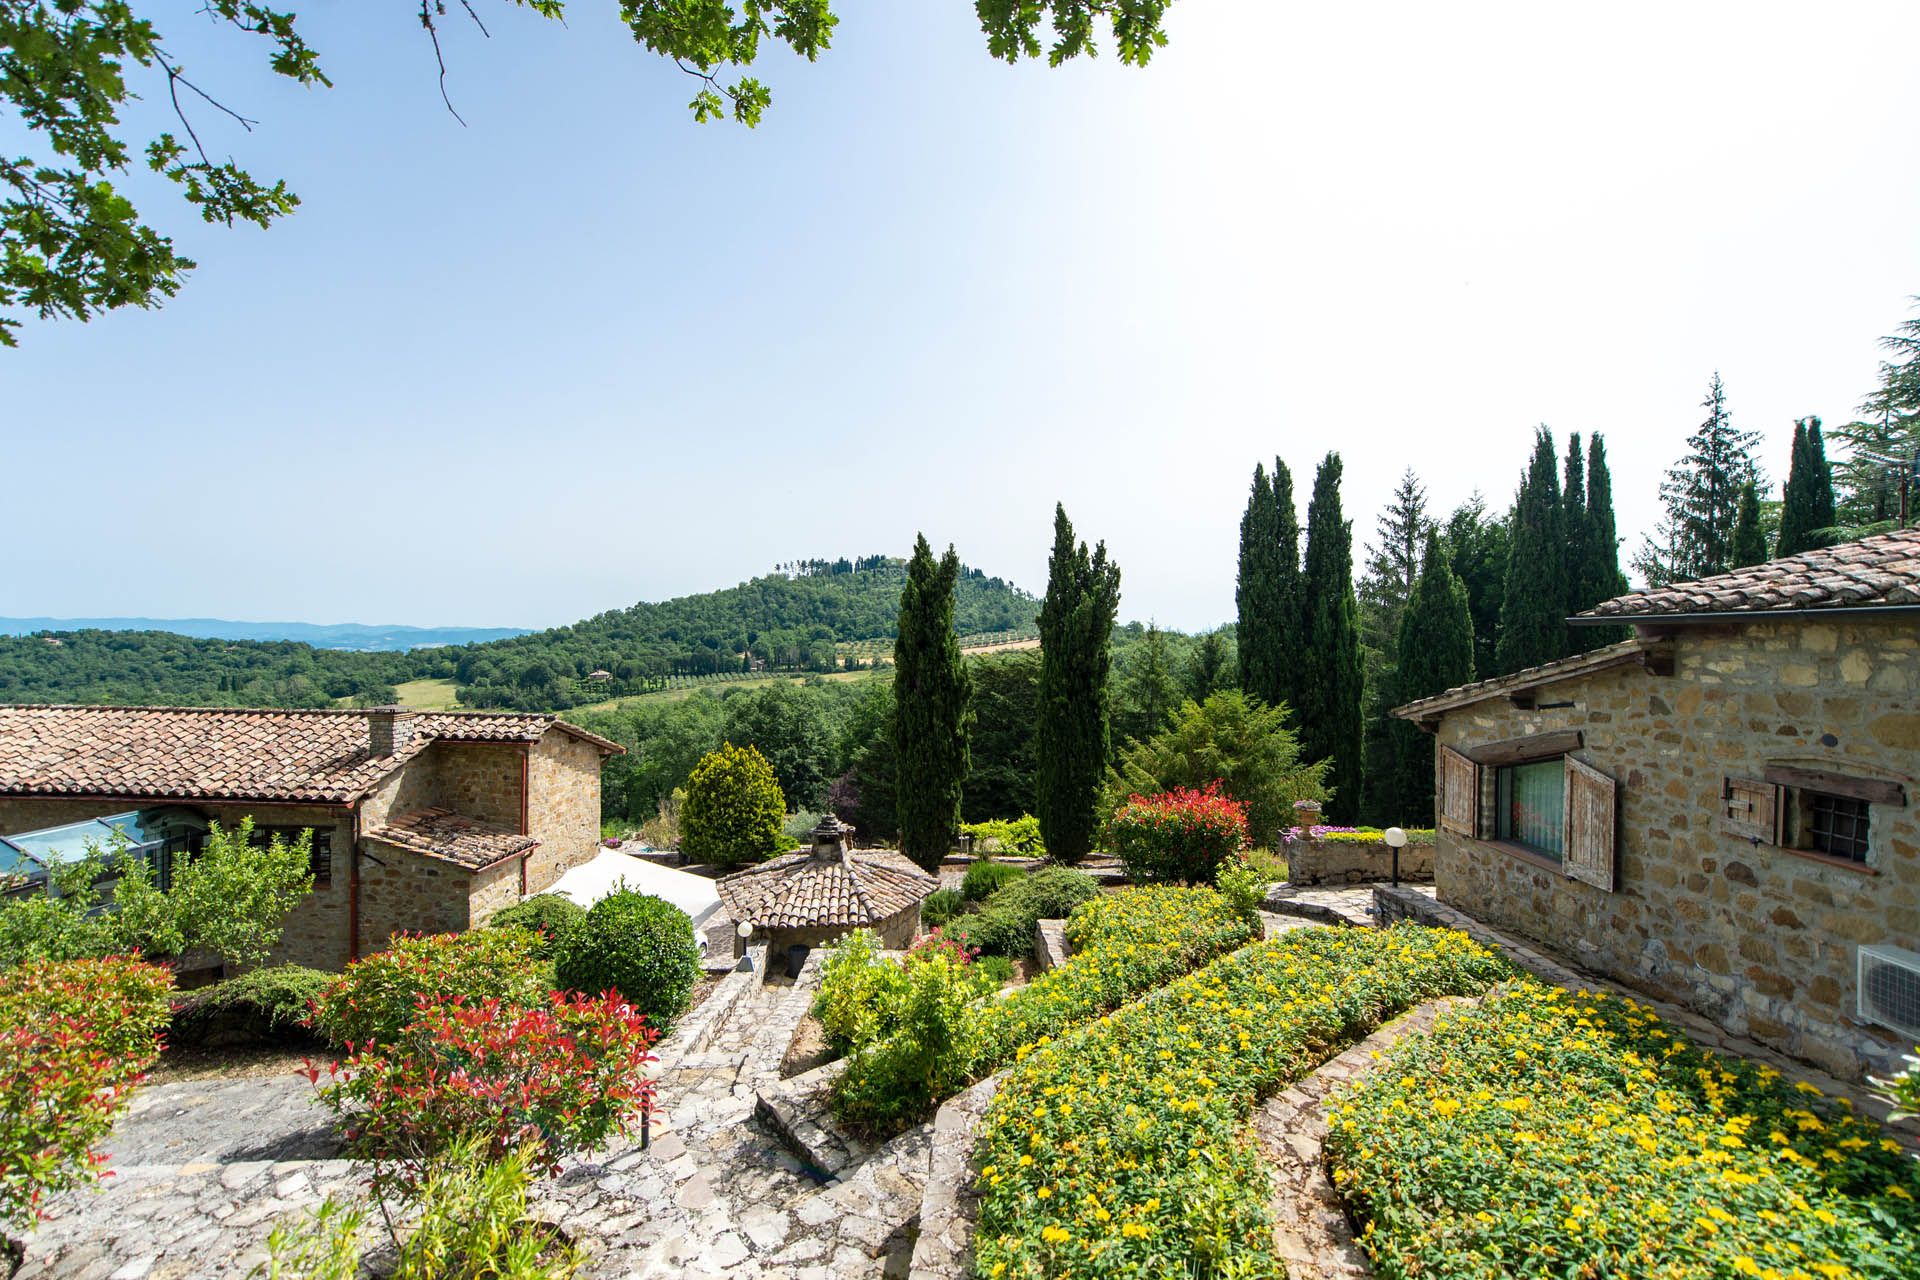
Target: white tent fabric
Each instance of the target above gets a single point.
(591, 881)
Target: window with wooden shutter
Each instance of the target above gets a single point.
(1750, 809)
(1457, 785)
(1591, 807)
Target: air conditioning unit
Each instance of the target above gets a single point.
(1889, 986)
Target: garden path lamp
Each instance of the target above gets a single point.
(741, 932)
(1396, 840)
(649, 1072)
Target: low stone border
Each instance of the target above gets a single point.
(1050, 948)
(1422, 908)
(1322, 906)
(799, 1113)
(693, 1029)
(949, 1205)
(1311, 1234)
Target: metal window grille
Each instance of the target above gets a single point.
(1837, 825)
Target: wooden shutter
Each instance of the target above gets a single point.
(1457, 787)
(1591, 808)
(1750, 809)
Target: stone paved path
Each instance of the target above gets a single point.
(1348, 904)
(201, 1171)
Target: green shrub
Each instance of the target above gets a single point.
(734, 812)
(859, 989)
(638, 945)
(258, 1006)
(1548, 1132)
(900, 1077)
(986, 878)
(1243, 885)
(378, 996)
(547, 914)
(1121, 1149)
(1004, 926)
(996, 969)
(941, 906)
(1019, 835)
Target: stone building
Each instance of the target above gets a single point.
(425, 822)
(1718, 810)
(817, 895)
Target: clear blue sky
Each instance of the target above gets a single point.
(583, 352)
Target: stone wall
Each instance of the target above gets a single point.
(563, 806)
(1355, 862)
(479, 779)
(1757, 937)
(403, 892)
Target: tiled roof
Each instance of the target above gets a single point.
(851, 889)
(1650, 653)
(219, 753)
(451, 837)
(1876, 572)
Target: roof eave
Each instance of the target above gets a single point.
(1701, 618)
(1654, 654)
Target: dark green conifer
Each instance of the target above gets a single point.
(1328, 660)
(1534, 610)
(1071, 733)
(1807, 507)
(1749, 541)
(1436, 653)
(1268, 589)
(932, 709)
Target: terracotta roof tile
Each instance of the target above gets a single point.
(451, 837)
(1883, 570)
(220, 753)
(849, 889)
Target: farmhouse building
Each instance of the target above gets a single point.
(422, 822)
(1718, 810)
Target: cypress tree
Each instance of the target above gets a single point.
(1533, 612)
(1575, 535)
(1807, 506)
(1600, 576)
(1436, 653)
(1328, 661)
(1749, 545)
(932, 709)
(1071, 732)
(1268, 589)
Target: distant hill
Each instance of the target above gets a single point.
(789, 620)
(335, 635)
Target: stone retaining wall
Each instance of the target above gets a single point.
(1315, 862)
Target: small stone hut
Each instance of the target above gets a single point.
(814, 896)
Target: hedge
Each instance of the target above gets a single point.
(1123, 1150)
(258, 1006)
(1548, 1132)
(1004, 925)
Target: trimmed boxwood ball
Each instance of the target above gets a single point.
(547, 914)
(638, 945)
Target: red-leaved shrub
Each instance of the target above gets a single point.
(75, 1037)
(1181, 834)
(563, 1077)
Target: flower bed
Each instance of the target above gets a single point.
(1122, 1150)
(1548, 1133)
(1352, 835)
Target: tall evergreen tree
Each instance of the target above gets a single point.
(1209, 668)
(1576, 534)
(1807, 506)
(1749, 544)
(1393, 566)
(932, 709)
(1328, 662)
(1702, 498)
(1436, 648)
(1071, 733)
(1268, 589)
(1598, 568)
(1533, 613)
(1478, 542)
(1148, 688)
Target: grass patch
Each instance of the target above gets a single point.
(428, 695)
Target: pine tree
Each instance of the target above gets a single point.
(1702, 498)
(1807, 506)
(1328, 661)
(1598, 568)
(1071, 732)
(1749, 545)
(1533, 613)
(1436, 648)
(1268, 589)
(1149, 690)
(1393, 566)
(1478, 544)
(932, 709)
(1208, 668)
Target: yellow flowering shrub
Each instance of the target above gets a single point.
(1549, 1133)
(1122, 1148)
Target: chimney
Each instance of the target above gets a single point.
(831, 838)
(388, 730)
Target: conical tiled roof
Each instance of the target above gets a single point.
(830, 888)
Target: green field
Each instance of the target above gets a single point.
(428, 695)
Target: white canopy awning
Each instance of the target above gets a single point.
(588, 883)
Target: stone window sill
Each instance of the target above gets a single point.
(1828, 860)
